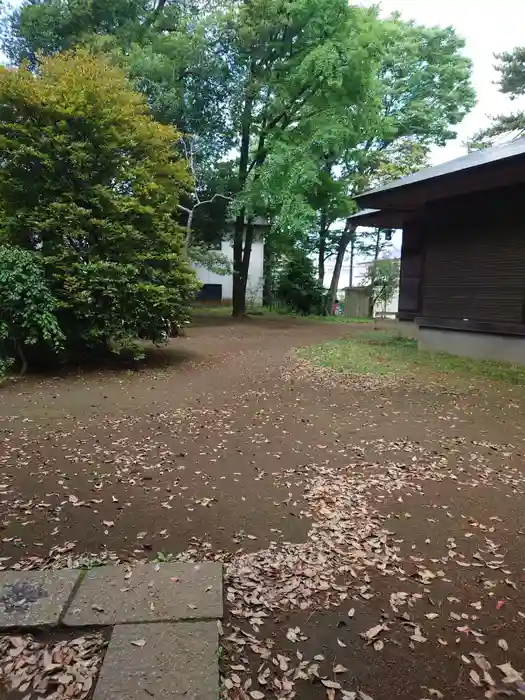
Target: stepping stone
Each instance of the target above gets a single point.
(173, 661)
(153, 593)
(34, 598)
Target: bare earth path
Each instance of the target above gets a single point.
(402, 502)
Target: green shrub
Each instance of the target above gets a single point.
(91, 183)
(298, 288)
(27, 308)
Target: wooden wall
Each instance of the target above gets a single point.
(410, 292)
(474, 258)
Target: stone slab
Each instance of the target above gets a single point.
(153, 593)
(34, 598)
(178, 660)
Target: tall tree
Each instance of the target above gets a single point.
(169, 50)
(511, 68)
(422, 90)
(300, 63)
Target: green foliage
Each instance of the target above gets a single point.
(306, 66)
(27, 307)
(212, 260)
(383, 277)
(420, 89)
(50, 26)
(298, 288)
(511, 67)
(92, 182)
(320, 99)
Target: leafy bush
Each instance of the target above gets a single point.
(298, 287)
(92, 183)
(27, 308)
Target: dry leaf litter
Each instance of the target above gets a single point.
(63, 670)
(346, 548)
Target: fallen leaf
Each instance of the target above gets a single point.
(481, 661)
(340, 669)
(373, 632)
(475, 678)
(139, 643)
(511, 675)
(503, 645)
(364, 696)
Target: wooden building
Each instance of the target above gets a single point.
(463, 254)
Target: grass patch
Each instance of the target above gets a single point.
(211, 310)
(334, 319)
(385, 354)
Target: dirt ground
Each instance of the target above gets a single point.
(323, 495)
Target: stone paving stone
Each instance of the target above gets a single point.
(178, 660)
(34, 598)
(153, 593)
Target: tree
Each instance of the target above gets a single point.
(27, 307)
(92, 182)
(169, 52)
(46, 27)
(302, 66)
(298, 287)
(294, 87)
(422, 90)
(382, 277)
(511, 67)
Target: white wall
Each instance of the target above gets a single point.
(389, 309)
(254, 287)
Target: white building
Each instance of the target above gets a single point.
(219, 288)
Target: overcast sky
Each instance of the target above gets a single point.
(488, 27)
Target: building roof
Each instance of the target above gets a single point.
(480, 170)
(377, 218)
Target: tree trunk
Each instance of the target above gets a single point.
(342, 245)
(239, 299)
(267, 273)
(189, 224)
(352, 256)
(239, 284)
(23, 359)
(322, 248)
(245, 267)
(377, 250)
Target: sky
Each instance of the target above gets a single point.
(488, 27)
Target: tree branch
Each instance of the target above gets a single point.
(208, 201)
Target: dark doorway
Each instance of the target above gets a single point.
(210, 292)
